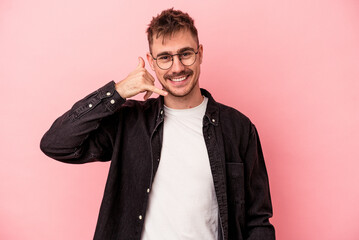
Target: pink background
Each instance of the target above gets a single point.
(291, 66)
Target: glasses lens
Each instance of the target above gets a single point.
(164, 61)
(188, 58)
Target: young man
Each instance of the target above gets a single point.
(182, 165)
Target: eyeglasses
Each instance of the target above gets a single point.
(186, 57)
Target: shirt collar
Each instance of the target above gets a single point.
(212, 111)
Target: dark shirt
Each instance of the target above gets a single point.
(104, 127)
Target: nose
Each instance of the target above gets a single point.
(177, 66)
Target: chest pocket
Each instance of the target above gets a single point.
(235, 182)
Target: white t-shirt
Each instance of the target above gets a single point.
(182, 201)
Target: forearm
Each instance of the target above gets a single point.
(72, 132)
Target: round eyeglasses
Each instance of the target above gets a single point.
(165, 61)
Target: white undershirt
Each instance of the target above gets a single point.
(182, 201)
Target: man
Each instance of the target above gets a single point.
(182, 165)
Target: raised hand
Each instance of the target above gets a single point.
(138, 81)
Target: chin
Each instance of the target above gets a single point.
(181, 92)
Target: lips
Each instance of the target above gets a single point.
(178, 79)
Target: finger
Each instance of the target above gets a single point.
(157, 90)
(150, 77)
(141, 63)
(147, 95)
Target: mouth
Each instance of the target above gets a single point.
(179, 79)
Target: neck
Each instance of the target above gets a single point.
(191, 100)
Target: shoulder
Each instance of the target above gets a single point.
(234, 120)
(229, 116)
(228, 111)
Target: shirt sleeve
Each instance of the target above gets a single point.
(258, 200)
(86, 132)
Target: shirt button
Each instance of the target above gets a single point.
(148, 190)
(213, 120)
(158, 159)
(112, 101)
(140, 217)
(161, 112)
(90, 105)
(108, 93)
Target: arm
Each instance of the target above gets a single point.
(258, 200)
(86, 132)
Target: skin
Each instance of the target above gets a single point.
(177, 94)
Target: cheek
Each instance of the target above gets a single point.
(159, 74)
(197, 70)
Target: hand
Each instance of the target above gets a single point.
(138, 81)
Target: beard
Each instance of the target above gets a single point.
(188, 73)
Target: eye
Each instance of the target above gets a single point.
(164, 58)
(186, 54)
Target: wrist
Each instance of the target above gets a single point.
(119, 90)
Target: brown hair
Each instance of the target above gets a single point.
(169, 22)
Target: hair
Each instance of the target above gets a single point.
(169, 22)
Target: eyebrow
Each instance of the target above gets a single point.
(178, 51)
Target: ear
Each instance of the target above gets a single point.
(200, 53)
(150, 61)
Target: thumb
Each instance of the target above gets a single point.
(141, 63)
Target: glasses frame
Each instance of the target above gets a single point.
(177, 54)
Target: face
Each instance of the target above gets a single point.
(179, 80)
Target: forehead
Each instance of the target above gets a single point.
(174, 42)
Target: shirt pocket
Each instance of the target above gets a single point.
(235, 182)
